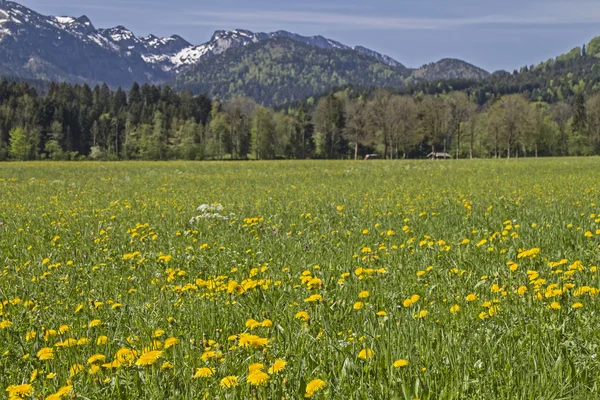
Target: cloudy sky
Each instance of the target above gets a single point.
(493, 34)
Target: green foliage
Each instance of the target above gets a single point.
(264, 139)
(330, 122)
(20, 146)
(593, 48)
(449, 69)
(70, 120)
(187, 143)
(573, 54)
(54, 151)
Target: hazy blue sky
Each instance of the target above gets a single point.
(493, 34)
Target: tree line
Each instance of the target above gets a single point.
(73, 122)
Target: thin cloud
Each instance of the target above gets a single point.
(203, 18)
(532, 13)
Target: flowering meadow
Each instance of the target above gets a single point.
(292, 280)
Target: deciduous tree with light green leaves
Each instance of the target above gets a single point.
(263, 135)
(20, 146)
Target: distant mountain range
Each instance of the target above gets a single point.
(34, 46)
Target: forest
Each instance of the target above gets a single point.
(148, 122)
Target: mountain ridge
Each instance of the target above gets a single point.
(280, 70)
(170, 55)
(72, 49)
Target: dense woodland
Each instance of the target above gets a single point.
(549, 110)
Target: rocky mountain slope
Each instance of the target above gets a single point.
(35, 46)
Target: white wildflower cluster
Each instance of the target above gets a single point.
(210, 211)
(212, 208)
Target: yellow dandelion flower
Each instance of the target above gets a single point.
(94, 369)
(278, 366)
(95, 323)
(315, 298)
(256, 367)
(555, 306)
(45, 354)
(49, 334)
(34, 376)
(252, 324)
(102, 340)
(302, 316)
(65, 390)
(158, 333)
(258, 378)
(167, 365)
(359, 305)
(454, 309)
(170, 342)
(209, 354)
(20, 390)
(149, 358)
(126, 356)
(252, 341)
(62, 392)
(204, 373)
(313, 387)
(5, 324)
(400, 363)
(365, 354)
(112, 365)
(96, 358)
(363, 295)
(471, 297)
(229, 382)
(76, 369)
(577, 306)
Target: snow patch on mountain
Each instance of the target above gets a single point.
(64, 20)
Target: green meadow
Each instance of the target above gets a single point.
(472, 279)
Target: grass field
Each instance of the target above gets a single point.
(330, 280)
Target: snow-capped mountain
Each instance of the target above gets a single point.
(69, 49)
(224, 40)
(72, 49)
